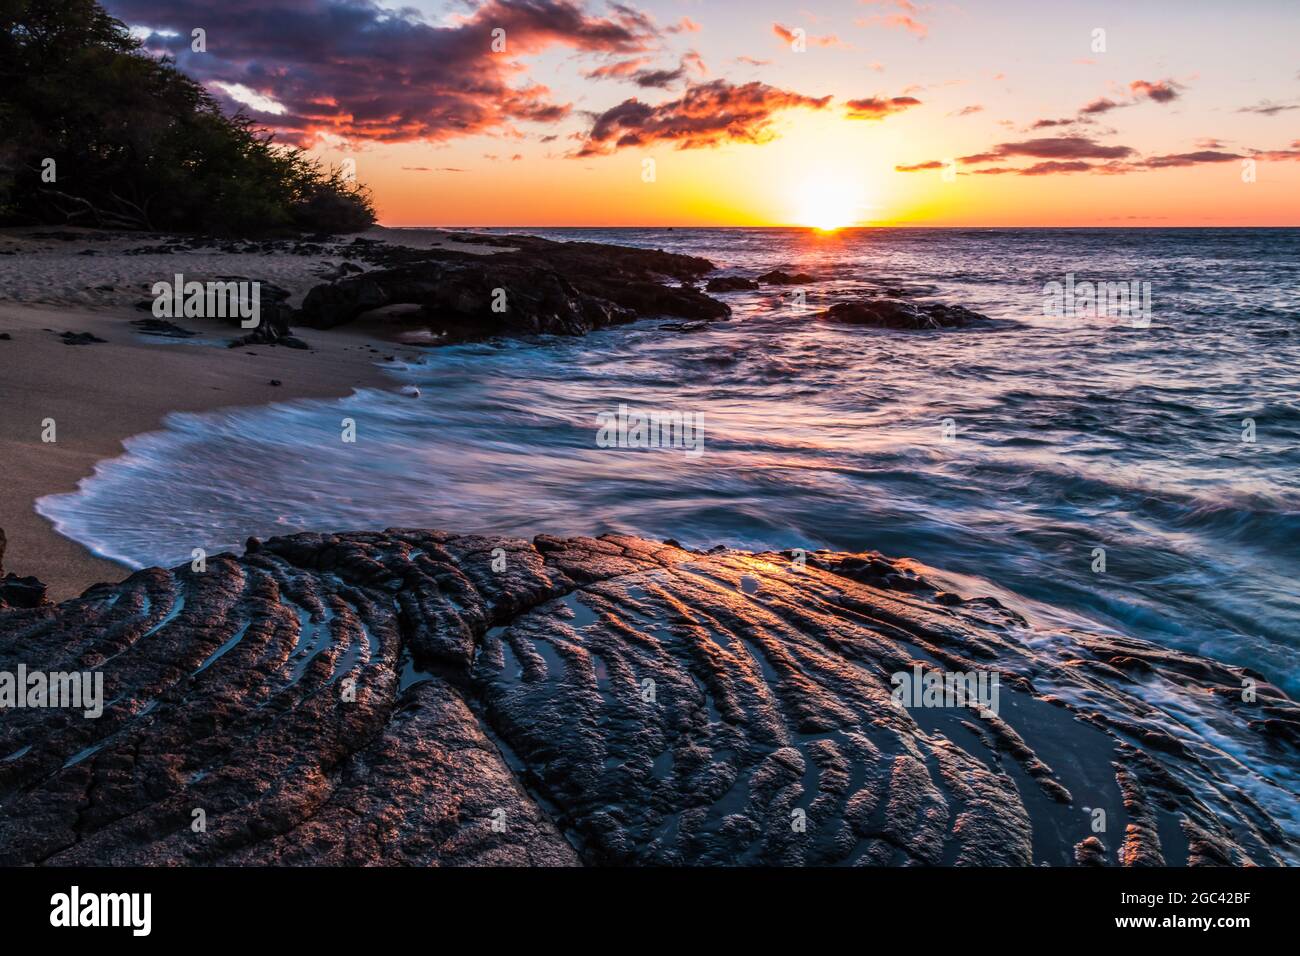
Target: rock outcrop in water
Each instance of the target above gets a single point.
(535, 286)
(892, 314)
(419, 697)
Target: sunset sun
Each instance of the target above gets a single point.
(827, 203)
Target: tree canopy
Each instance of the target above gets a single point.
(135, 143)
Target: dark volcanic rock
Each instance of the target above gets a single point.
(891, 314)
(729, 284)
(80, 338)
(536, 287)
(16, 592)
(420, 697)
(777, 277)
(274, 317)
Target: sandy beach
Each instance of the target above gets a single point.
(101, 393)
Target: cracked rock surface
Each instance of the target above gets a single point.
(417, 697)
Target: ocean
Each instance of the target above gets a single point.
(1134, 475)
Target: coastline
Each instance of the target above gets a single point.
(114, 381)
(102, 393)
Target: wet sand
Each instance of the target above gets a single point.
(102, 393)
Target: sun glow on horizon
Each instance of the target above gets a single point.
(827, 203)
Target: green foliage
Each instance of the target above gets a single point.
(139, 144)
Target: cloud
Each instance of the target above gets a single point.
(618, 69)
(684, 25)
(968, 110)
(1102, 105)
(638, 71)
(1187, 159)
(877, 108)
(1267, 108)
(789, 36)
(1055, 166)
(1065, 155)
(1060, 154)
(1060, 147)
(906, 17)
(1164, 91)
(362, 71)
(706, 115)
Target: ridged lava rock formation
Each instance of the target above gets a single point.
(416, 697)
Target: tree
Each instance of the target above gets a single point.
(135, 143)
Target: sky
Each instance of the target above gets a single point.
(820, 113)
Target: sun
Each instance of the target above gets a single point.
(827, 203)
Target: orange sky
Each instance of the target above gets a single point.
(1097, 113)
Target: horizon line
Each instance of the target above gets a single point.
(814, 229)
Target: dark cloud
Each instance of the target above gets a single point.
(1071, 155)
(1060, 154)
(1060, 147)
(707, 114)
(1163, 91)
(878, 107)
(359, 70)
(1187, 159)
(1102, 105)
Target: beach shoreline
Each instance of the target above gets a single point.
(80, 375)
(102, 393)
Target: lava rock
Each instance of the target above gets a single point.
(536, 287)
(729, 284)
(80, 338)
(777, 277)
(346, 699)
(17, 592)
(892, 314)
